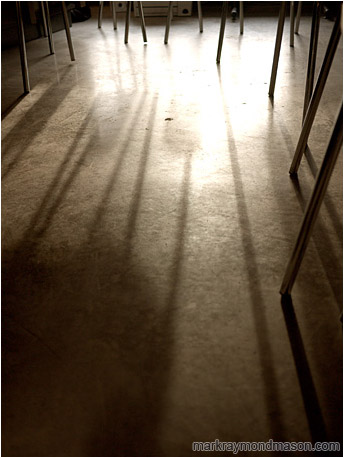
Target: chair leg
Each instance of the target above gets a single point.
(44, 19)
(312, 55)
(50, 30)
(200, 17)
(67, 29)
(241, 17)
(292, 22)
(100, 14)
(222, 30)
(279, 36)
(142, 20)
(168, 22)
(316, 96)
(313, 206)
(298, 17)
(22, 49)
(114, 15)
(127, 22)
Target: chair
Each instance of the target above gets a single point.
(314, 204)
(279, 35)
(48, 32)
(127, 19)
(311, 104)
(170, 15)
(223, 25)
(100, 14)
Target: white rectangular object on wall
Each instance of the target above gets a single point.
(161, 8)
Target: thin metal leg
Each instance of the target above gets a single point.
(222, 30)
(292, 22)
(143, 25)
(168, 21)
(67, 29)
(200, 16)
(44, 19)
(22, 49)
(279, 36)
(127, 21)
(100, 14)
(241, 17)
(313, 206)
(312, 55)
(298, 17)
(114, 15)
(50, 30)
(316, 96)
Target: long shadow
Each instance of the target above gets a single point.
(40, 107)
(142, 166)
(266, 359)
(123, 152)
(116, 75)
(9, 109)
(137, 424)
(309, 395)
(101, 346)
(55, 193)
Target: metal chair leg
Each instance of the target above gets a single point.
(168, 21)
(50, 30)
(222, 30)
(315, 100)
(114, 15)
(142, 19)
(312, 55)
(22, 49)
(200, 17)
(100, 14)
(241, 17)
(67, 29)
(127, 21)
(44, 19)
(313, 206)
(298, 17)
(292, 22)
(279, 36)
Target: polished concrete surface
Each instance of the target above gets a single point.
(147, 220)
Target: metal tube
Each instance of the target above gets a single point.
(50, 31)
(279, 36)
(200, 16)
(127, 21)
(314, 204)
(315, 100)
(241, 17)
(100, 14)
(312, 55)
(168, 21)
(292, 21)
(22, 49)
(44, 19)
(143, 25)
(298, 17)
(114, 15)
(67, 29)
(222, 30)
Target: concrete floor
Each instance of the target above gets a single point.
(147, 220)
